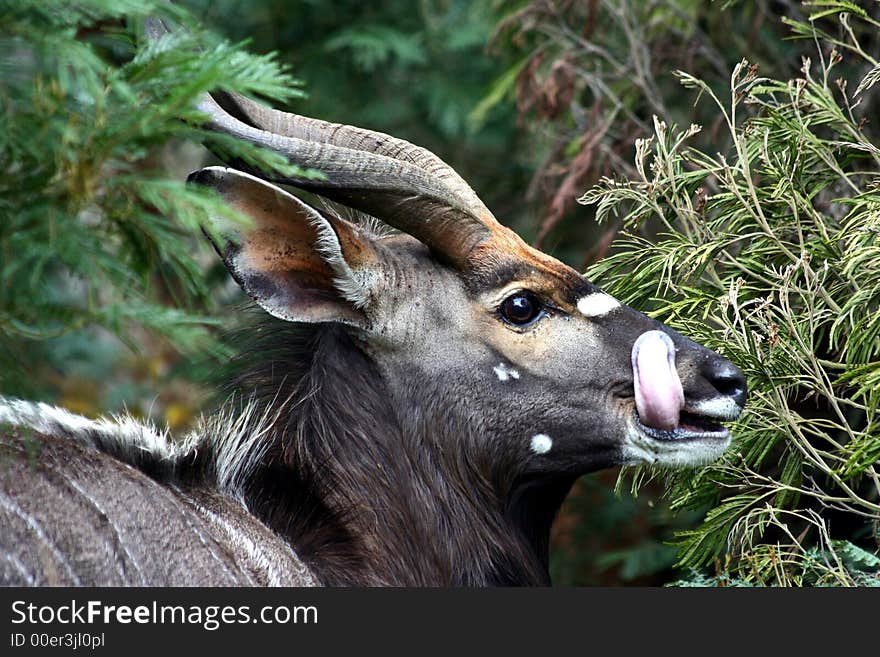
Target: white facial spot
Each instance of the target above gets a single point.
(541, 443)
(505, 373)
(596, 305)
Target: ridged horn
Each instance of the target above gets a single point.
(406, 186)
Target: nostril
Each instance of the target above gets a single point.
(739, 396)
(729, 381)
(726, 385)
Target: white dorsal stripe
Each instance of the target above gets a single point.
(596, 305)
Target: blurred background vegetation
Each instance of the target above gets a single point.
(110, 299)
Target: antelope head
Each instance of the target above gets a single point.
(535, 364)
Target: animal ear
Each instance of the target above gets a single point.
(297, 263)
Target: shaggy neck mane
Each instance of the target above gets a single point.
(322, 457)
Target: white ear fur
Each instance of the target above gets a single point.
(354, 286)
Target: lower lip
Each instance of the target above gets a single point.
(680, 434)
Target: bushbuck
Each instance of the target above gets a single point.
(417, 401)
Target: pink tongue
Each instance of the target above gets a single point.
(659, 396)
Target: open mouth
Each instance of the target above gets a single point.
(691, 426)
(661, 412)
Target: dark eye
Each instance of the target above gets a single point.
(521, 308)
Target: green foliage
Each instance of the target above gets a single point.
(588, 76)
(768, 253)
(601, 538)
(374, 45)
(95, 231)
(698, 579)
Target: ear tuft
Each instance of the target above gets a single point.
(355, 285)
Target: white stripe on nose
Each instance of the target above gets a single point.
(596, 305)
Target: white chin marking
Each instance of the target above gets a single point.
(639, 449)
(597, 305)
(541, 443)
(505, 373)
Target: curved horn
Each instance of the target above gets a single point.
(408, 187)
(449, 183)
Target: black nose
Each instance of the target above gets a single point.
(727, 379)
